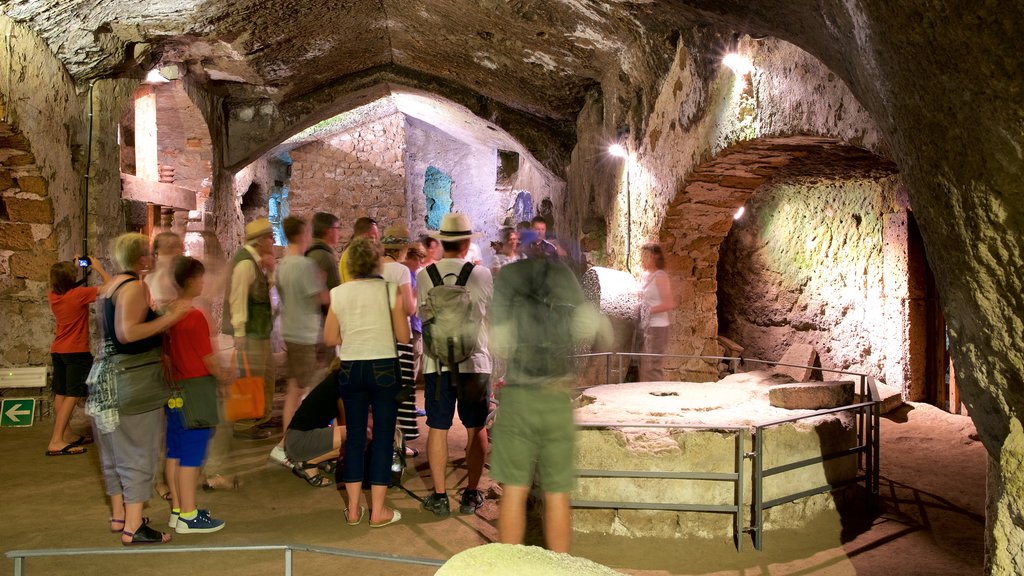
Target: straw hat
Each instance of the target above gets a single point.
(257, 228)
(395, 236)
(455, 226)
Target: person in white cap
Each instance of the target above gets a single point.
(248, 316)
(441, 395)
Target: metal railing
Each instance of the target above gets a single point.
(866, 449)
(19, 556)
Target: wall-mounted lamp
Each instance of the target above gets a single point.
(739, 64)
(739, 213)
(617, 150)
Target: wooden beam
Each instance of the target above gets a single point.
(177, 197)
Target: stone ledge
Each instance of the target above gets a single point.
(811, 395)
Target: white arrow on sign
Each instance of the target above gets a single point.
(13, 413)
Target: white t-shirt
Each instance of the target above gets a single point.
(651, 297)
(364, 318)
(396, 273)
(481, 288)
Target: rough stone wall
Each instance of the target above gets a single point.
(356, 173)
(474, 171)
(806, 264)
(701, 109)
(40, 215)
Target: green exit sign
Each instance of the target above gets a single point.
(17, 412)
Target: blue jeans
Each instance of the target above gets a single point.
(365, 385)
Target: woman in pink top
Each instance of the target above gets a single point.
(72, 357)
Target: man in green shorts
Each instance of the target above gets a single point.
(539, 317)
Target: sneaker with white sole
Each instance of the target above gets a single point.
(278, 456)
(201, 524)
(172, 522)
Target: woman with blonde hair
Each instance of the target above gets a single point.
(128, 392)
(367, 316)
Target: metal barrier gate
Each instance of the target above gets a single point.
(19, 556)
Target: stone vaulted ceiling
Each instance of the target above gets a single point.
(539, 57)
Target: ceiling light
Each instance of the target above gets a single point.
(617, 150)
(738, 63)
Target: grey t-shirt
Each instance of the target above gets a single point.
(299, 283)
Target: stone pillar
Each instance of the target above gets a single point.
(147, 164)
(898, 354)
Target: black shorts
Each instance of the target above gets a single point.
(69, 373)
(440, 396)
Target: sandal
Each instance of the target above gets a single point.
(395, 517)
(328, 467)
(121, 522)
(163, 491)
(219, 482)
(145, 535)
(317, 480)
(357, 522)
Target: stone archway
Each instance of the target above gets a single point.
(700, 216)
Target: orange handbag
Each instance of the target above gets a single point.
(245, 396)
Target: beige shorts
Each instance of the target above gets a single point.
(302, 364)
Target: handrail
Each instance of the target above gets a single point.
(19, 556)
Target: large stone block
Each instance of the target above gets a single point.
(33, 185)
(15, 236)
(6, 180)
(33, 211)
(802, 355)
(811, 395)
(34, 265)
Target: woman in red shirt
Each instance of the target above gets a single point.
(70, 351)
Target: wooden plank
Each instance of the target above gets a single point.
(177, 197)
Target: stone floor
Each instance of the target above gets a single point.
(933, 492)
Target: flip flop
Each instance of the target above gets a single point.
(81, 441)
(362, 514)
(69, 450)
(395, 517)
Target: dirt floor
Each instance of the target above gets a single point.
(931, 521)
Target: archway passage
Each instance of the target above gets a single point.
(701, 215)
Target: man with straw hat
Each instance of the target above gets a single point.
(441, 395)
(248, 316)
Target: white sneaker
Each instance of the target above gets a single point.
(277, 455)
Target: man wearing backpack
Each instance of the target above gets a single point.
(540, 320)
(453, 297)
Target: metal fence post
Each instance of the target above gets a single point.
(287, 562)
(740, 451)
(757, 494)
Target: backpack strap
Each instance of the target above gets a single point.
(467, 269)
(435, 276)
(314, 247)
